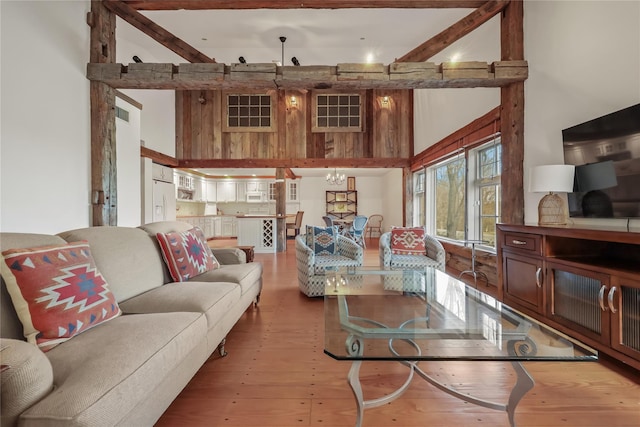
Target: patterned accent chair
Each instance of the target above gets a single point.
(311, 267)
(434, 257)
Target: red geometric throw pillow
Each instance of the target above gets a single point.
(407, 241)
(57, 292)
(186, 254)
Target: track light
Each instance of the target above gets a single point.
(242, 60)
(295, 61)
(136, 59)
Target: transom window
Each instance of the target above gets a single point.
(249, 112)
(337, 112)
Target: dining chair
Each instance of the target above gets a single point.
(356, 231)
(375, 224)
(295, 226)
(328, 221)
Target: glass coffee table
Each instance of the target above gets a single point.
(413, 316)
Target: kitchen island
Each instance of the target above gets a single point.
(259, 231)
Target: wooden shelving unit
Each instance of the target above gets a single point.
(342, 204)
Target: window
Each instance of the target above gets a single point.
(419, 204)
(337, 112)
(463, 195)
(447, 182)
(248, 112)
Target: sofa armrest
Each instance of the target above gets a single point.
(26, 376)
(226, 256)
(435, 251)
(385, 250)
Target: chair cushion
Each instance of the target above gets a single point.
(327, 262)
(321, 240)
(57, 292)
(186, 253)
(407, 241)
(412, 261)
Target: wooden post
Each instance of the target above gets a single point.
(512, 118)
(103, 119)
(407, 186)
(281, 210)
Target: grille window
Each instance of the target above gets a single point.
(338, 112)
(249, 112)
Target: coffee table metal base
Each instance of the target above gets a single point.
(524, 383)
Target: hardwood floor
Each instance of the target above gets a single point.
(276, 374)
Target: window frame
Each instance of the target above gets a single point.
(328, 92)
(273, 107)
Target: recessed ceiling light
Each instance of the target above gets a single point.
(370, 58)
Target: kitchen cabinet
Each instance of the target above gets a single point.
(584, 282)
(161, 173)
(228, 226)
(226, 191)
(211, 191)
(199, 189)
(292, 191)
(257, 232)
(241, 191)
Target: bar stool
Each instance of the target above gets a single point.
(473, 271)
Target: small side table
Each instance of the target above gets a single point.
(248, 250)
(473, 271)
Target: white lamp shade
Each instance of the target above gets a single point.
(552, 178)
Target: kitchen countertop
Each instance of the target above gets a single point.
(249, 216)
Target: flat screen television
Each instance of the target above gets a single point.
(606, 154)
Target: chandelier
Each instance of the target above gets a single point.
(335, 178)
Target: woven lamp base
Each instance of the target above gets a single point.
(551, 210)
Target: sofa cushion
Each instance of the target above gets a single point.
(186, 253)
(57, 292)
(26, 378)
(246, 275)
(128, 258)
(331, 262)
(212, 299)
(407, 241)
(101, 375)
(321, 240)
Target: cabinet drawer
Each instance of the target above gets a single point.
(529, 243)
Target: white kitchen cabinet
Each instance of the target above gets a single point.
(292, 191)
(256, 186)
(241, 191)
(161, 173)
(259, 233)
(229, 226)
(183, 180)
(217, 227)
(209, 227)
(200, 189)
(211, 191)
(226, 191)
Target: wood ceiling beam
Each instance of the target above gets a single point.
(288, 173)
(295, 163)
(156, 32)
(455, 32)
(418, 75)
(297, 4)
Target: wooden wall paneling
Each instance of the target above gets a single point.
(217, 117)
(196, 126)
(369, 139)
(281, 210)
(282, 148)
(207, 112)
(296, 125)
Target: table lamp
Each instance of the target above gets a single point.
(552, 179)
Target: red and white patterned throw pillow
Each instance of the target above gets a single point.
(57, 292)
(186, 254)
(407, 241)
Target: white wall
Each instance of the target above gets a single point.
(584, 61)
(45, 133)
(128, 166)
(376, 195)
(157, 120)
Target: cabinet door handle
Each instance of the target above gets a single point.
(518, 242)
(610, 300)
(539, 277)
(601, 297)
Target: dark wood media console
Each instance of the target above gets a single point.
(584, 282)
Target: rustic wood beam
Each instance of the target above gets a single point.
(103, 119)
(512, 119)
(295, 163)
(297, 4)
(455, 32)
(288, 174)
(281, 210)
(158, 157)
(419, 75)
(156, 32)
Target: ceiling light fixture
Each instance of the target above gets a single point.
(242, 60)
(335, 178)
(282, 40)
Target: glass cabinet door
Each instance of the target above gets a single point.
(623, 301)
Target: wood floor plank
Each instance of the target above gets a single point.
(277, 375)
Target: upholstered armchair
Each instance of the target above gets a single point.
(433, 255)
(312, 261)
(410, 254)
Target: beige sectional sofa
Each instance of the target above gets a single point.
(128, 370)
